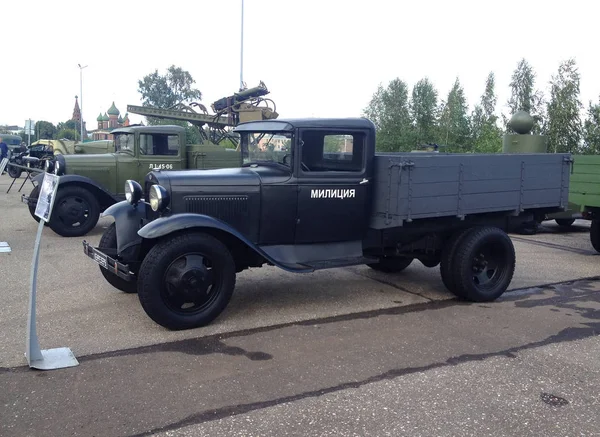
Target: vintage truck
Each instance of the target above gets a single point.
(584, 179)
(179, 239)
(90, 183)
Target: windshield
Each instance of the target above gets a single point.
(124, 143)
(259, 147)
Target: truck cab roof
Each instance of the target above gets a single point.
(289, 124)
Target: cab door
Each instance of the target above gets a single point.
(333, 186)
(159, 150)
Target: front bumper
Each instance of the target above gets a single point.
(108, 263)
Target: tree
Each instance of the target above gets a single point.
(45, 130)
(388, 109)
(454, 121)
(591, 130)
(423, 108)
(166, 91)
(524, 97)
(565, 129)
(486, 134)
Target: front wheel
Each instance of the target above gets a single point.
(483, 264)
(75, 212)
(186, 281)
(109, 241)
(595, 234)
(14, 172)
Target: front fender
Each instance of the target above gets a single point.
(166, 225)
(68, 178)
(128, 219)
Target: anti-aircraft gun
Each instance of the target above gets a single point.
(91, 183)
(245, 105)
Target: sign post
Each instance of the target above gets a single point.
(51, 358)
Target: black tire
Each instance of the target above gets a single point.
(75, 212)
(489, 250)
(162, 299)
(448, 251)
(595, 234)
(31, 204)
(391, 264)
(109, 241)
(13, 172)
(564, 223)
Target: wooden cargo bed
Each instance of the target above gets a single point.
(410, 186)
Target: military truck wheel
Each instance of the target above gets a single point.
(186, 281)
(564, 223)
(448, 251)
(75, 212)
(391, 264)
(14, 172)
(595, 234)
(109, 241)
(483, 264)
(32, 202)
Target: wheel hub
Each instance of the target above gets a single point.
(195, 281)
(188, 283)
(73, 210)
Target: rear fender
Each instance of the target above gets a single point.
(128, 220)
(167, 225)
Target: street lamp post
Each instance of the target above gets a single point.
(242, 50)
(81, 97)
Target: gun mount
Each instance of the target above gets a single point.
(245, 105)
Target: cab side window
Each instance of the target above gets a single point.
(159, 144)
(325, 151)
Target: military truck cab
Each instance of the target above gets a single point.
(313, 194)
(90, 183)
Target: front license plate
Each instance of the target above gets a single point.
(100, 258)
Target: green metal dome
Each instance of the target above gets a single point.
(105, 117)
(100, 118)
(113, 110)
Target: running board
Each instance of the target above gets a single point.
(343, 262)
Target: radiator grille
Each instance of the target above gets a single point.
(228, 208)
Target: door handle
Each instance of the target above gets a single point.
(364, 181)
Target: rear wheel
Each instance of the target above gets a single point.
(186, 281)
(564, 223)
(75, 212)
(13, 171)
(32, 202)
(448, 251)
(391, 264)
(595, 234)
(109, 241)
(483, 264)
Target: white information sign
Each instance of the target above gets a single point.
(47, 195)
(3, 165)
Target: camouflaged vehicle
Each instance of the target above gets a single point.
(90, 183)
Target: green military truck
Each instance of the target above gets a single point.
(584, 184)
(90, 183)
(69, 147)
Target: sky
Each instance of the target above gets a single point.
(319, 58)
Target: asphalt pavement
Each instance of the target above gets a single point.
(341, 352)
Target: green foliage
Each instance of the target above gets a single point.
(454, 120)
(424, 111)
(486, 135)
(591, 131)
(524, 97)
(45, 130)
(165, 91)
(565, 129)
(69, 134)
(389, 110)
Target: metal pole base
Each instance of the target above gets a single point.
(58, 358)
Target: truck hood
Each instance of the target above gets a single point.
(86, 162)
(203, 178)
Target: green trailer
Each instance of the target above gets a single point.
(584, 184)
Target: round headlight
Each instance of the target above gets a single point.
(159, 198)
(133, 191)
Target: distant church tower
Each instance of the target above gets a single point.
(77, 118)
